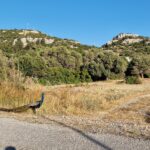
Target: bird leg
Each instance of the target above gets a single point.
(34, 110)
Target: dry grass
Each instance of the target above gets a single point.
(13, 96)
(85, 99)
(135, 112)
(90, 99)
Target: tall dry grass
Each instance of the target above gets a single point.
(12, 95)
(85, 99)
(89, 99)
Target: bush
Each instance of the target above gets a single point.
(32, 66)
(43, 81)
(85, 76)
(133, 80)
(58, 75)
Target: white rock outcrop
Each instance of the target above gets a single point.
(25, 32)
(24, 42)
(130, 38)
(131, 41)
(48, 41)
(27, 40)
(72, 46)
(123, 35)
(15, 41)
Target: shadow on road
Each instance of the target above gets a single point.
(82, 133)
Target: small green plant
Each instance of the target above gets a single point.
(133, 80)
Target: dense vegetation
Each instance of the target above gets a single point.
(28, 54)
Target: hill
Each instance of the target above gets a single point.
(129, 44)
(51, 60)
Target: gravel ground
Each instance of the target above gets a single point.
(33, 136)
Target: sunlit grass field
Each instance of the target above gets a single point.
(90, 99)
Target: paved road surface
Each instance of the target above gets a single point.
(28, 136)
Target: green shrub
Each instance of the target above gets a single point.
(58, 75)
(85, 76)
(133, 80)
(43, 81)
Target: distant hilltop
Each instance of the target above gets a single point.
(127, 38)
(123, 35)
(24, 38)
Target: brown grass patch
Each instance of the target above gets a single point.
(91, 99)
(136, 112)
(12, 95)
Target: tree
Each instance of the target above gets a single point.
(32, 66)
(138, 66)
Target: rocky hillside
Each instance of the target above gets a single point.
(51, 60)
(11, 40)
(129, 44)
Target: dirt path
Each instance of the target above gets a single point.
(132, 101)
(125, 105)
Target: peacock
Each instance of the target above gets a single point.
(33, 106)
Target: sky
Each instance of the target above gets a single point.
(92, 22)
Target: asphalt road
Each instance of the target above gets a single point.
(28, 136)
